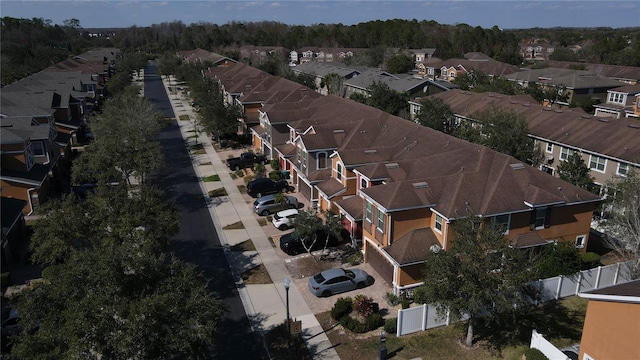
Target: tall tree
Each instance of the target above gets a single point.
(437, 115)
(400, 64)
(507, 132)
(479, 274)
(311, 229)
(334, 83)
(623, 224)
(575, 171)
(382, 97)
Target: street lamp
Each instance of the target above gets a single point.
(287, 284)
(382, 352)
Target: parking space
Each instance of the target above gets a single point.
(301, 267)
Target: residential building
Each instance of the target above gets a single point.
(621, 102)
(321, 70)
(448, 70)
(398, 186)
(611, 327)
(14, 230)
(627, 74)
(560, 133)
(576, 86)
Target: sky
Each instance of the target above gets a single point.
(513, 14)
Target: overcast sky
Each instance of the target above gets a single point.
(504, 14)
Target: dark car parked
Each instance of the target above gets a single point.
(260, 187)
(291, 243)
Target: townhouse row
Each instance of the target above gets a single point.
(397, 185)
(41, 118)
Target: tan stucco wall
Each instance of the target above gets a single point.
(611, 331)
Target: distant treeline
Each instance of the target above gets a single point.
(29, 45)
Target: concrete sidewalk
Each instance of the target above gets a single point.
(265, 304)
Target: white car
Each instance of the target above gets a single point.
(283, 220)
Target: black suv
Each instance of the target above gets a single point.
(291, 243)
(259, 187)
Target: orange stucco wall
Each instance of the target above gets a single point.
(405, 221)
(409, 275)
(611, 331)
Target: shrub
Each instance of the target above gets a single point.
(392, 299)
(218, 192)
(534, 354)
(353, 324)
(247, 179)
(275, 175)
(590, 260)
(275, 164)
(364, 305)
(355, 258)
(239, 173)
(419, 296)
(373, 321)
(342, 308)
(391, 326)
(405, 301)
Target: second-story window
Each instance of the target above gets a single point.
(502, 221)
(38, 148)
(623, 169)
(322, 160)
(549, 147)
(368, 212)
(438, 223)
(565, 153)
(363, 183)
(304, 161)
(339, 172)
(616, 98)
(380, 224)
(597, 163)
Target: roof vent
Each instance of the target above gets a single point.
(371, 151)
(527, 105)
(558, 111)
(336, 131)
(634, 126)
(514, 102)
(603, 120)
(517, 166)
(546, 109)
(420, 185)
(392, 165)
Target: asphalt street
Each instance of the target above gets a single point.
(197, 242)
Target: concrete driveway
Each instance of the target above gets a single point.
(302, 266)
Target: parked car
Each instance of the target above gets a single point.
(264, 186)
(339, 280)
(267, 204)
(291, 243)
(246, 160)
(283, 220)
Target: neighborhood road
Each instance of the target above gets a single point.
(197, 242)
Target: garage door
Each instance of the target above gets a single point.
(380, 264)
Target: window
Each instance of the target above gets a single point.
(565, 153)
(38, 148)
(616, 98)
(540, 216)
(580, 239)
(339, 172)
(363, 183)
(503, 222)
(597, 163)
(438, 223)
(623, 169)
(549, 148)
(304, 161)
(322, 160)
(368, 212)
(547, 169)
(380, 224)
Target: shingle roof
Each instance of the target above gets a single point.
(611, 71)
(413, 246)
(627, 292)
(575, 129)
(572, 79)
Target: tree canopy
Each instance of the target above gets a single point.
(384, 98)
(437, 115)
(575, 171)
(479, 274)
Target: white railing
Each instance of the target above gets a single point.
(425, 317)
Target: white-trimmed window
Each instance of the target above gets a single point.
(368, 211)
(438, 223)
(549, 148)
(623, 169)
(28, 157)
(565, 153)
(363, 183)
(548, 169)
(380, 224)
(580, 240)
(616, 98)
(339, 172)
(597, 163)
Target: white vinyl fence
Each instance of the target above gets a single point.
(425, 317)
